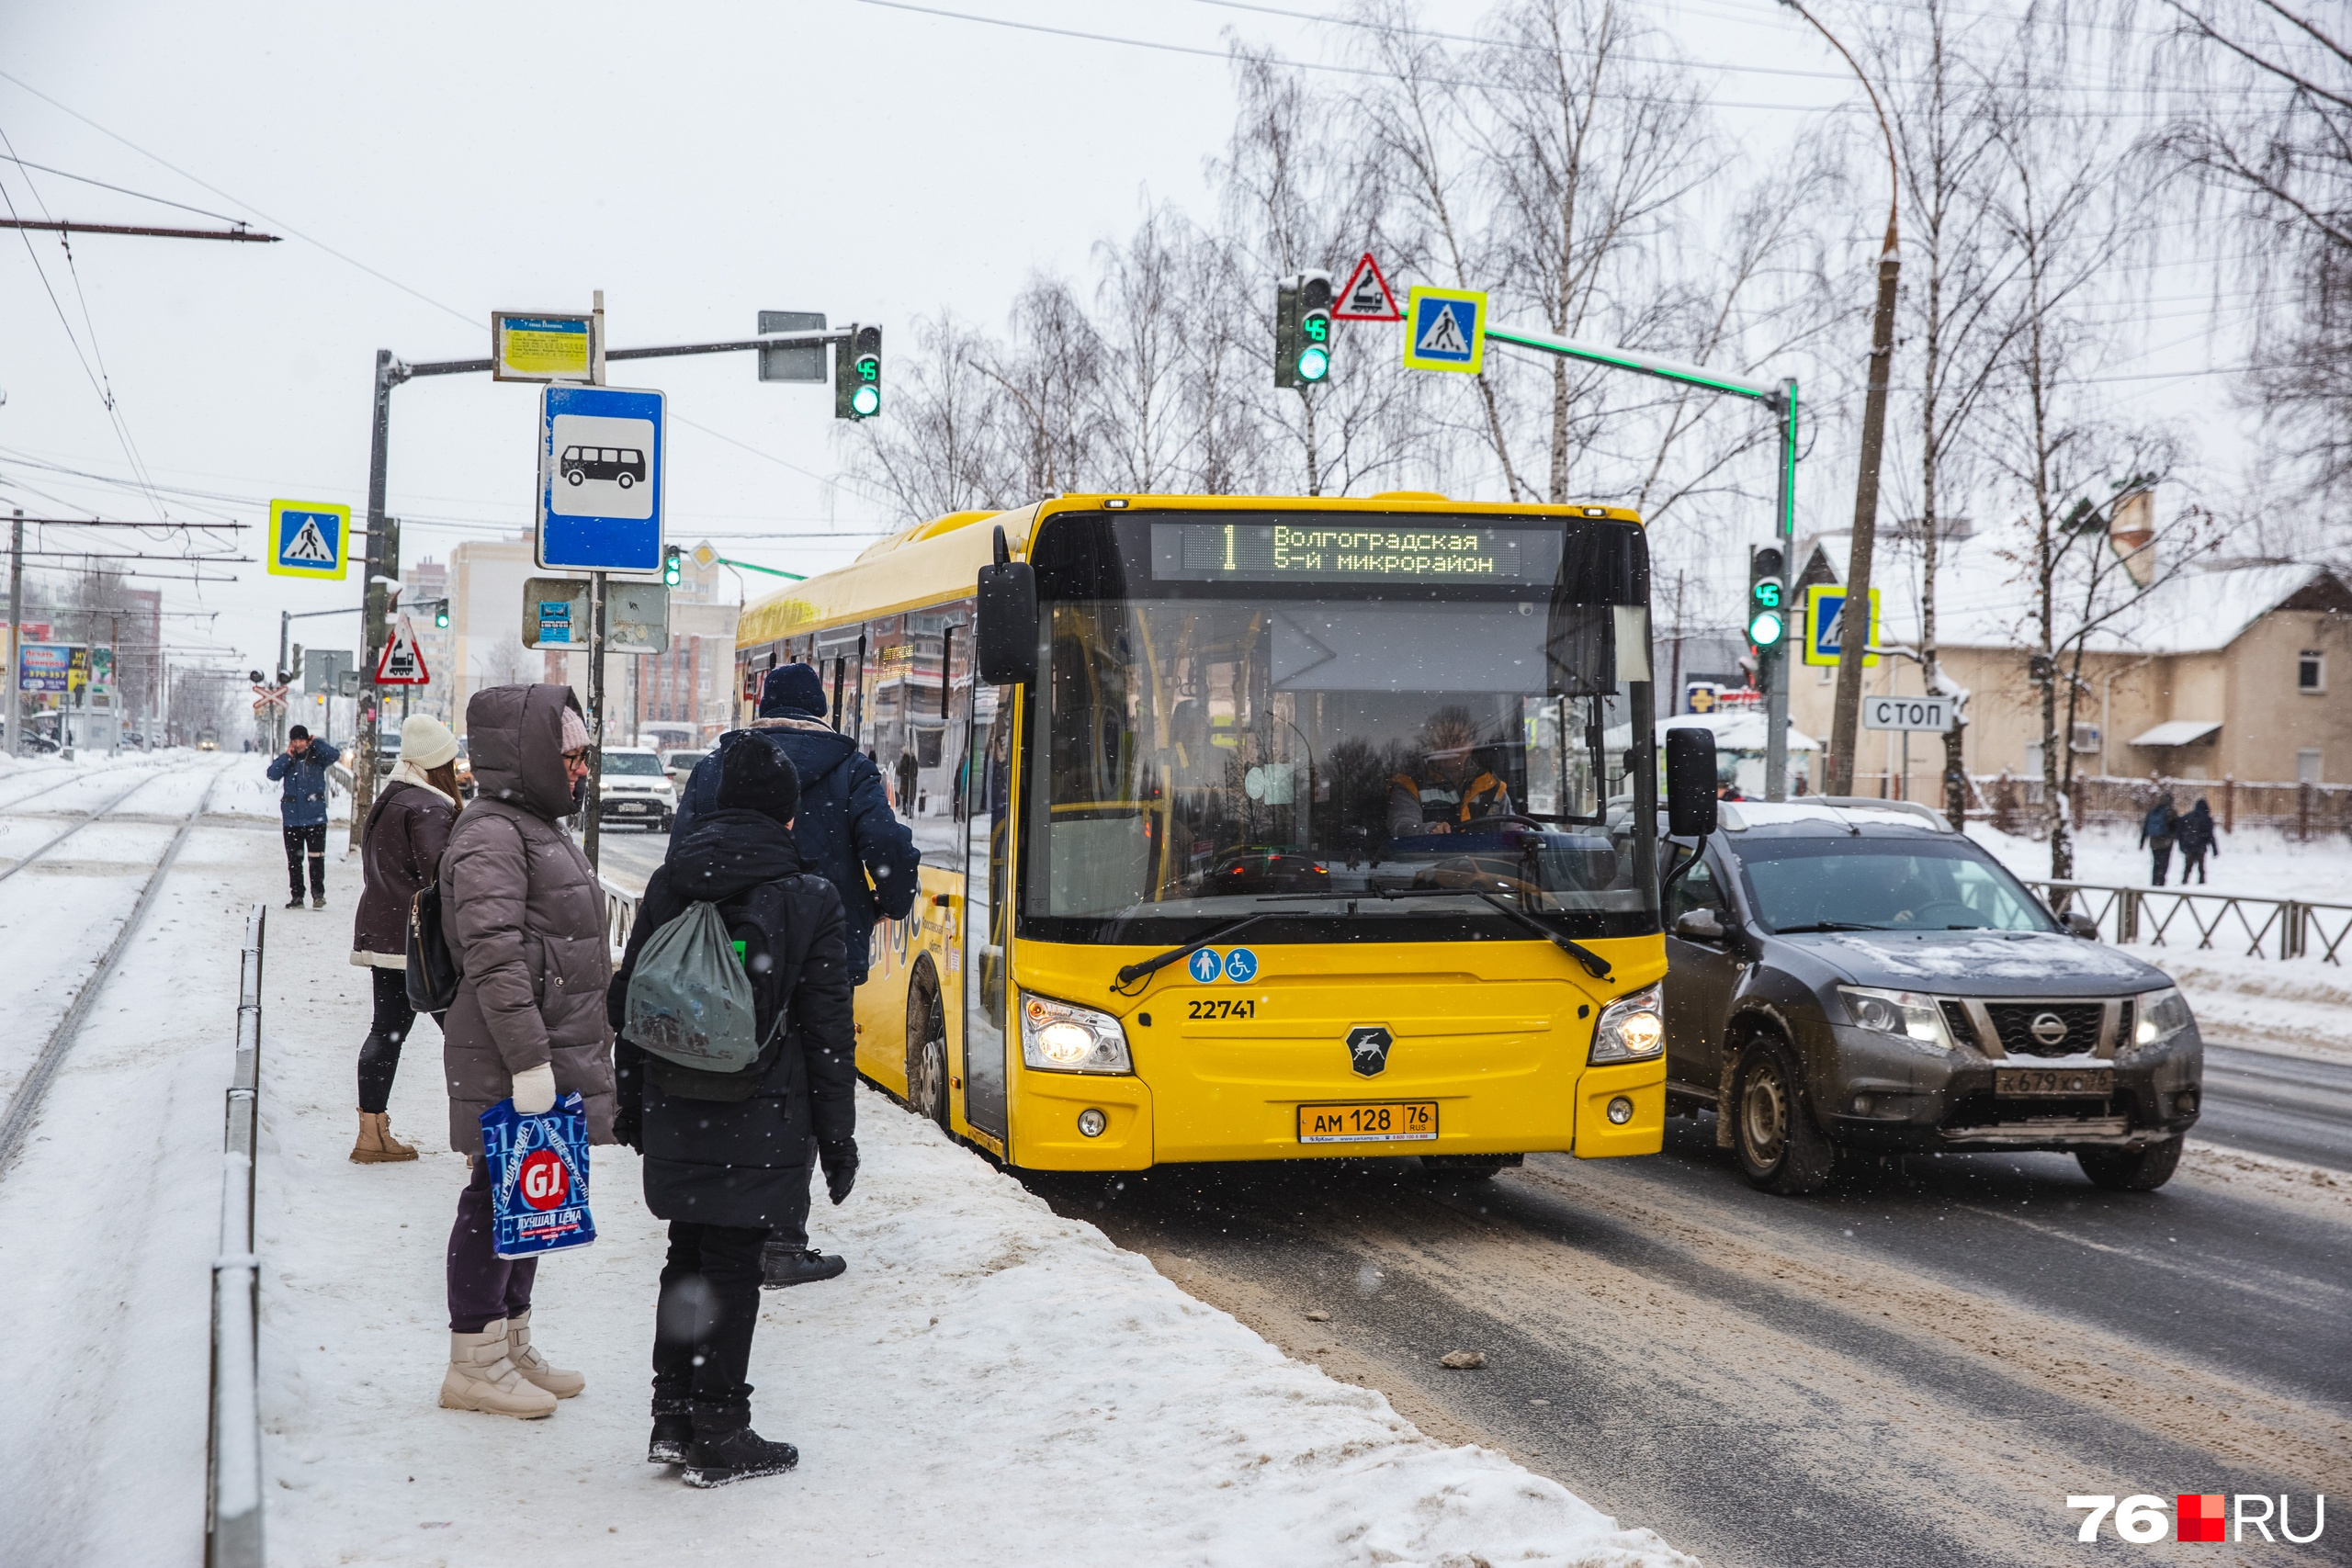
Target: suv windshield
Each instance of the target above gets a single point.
(631, 763)
(1243, 715)
(1806, 883)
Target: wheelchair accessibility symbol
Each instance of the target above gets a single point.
(1241, 965)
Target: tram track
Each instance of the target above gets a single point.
(24, 1106)
(96, 816)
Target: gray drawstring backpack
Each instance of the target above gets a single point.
(689, 1001)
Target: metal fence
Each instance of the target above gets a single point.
(232, 1515)
(2303, 811)
(2209, 922)
(620, 915)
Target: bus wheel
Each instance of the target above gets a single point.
(926, 1049)
(1779, 1148)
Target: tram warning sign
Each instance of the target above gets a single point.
(1445, 329)
(309, 539)
(1366, 296)
(402, 664)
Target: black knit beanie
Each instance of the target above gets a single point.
(755, 776)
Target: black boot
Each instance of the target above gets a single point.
(725, 1449)
(673, 1429)
(782, 1266)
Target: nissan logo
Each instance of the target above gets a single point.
(2048, 1028)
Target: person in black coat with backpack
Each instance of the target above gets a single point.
(726, 1155)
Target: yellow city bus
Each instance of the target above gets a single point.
(1257, 829)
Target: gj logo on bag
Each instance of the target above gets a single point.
(538, 1177)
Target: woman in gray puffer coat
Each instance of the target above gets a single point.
(525, 919)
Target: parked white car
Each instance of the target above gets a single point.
(633, 790)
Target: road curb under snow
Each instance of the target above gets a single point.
(989, 1383)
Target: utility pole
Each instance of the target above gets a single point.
(1854, 619)
(591, 831)
(16, 633)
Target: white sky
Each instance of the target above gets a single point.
(700, 163)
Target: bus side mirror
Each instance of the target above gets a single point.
(1005, 638)
(1690, 782)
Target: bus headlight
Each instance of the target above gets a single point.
(1057, 1037)
(1630, 1029)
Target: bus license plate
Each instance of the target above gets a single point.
(2075, 1081)
(1376, 1121)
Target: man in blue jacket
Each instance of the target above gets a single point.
(846, 833)
(302, 808)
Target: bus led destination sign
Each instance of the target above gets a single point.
(1351, 552)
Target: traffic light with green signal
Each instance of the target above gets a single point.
(441, 614)
(671, 568)
(1303, 328)
(1768, 593)
(857, 374)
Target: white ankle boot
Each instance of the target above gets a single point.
(483, 1377)
(534, 1366)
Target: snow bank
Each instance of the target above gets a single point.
(247, 790)
(2258, 863)
(989, 1382)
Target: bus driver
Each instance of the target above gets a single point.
(1434, 797)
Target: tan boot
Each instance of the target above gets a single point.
(483, 1377)
(376, 1144)
(533, 1365)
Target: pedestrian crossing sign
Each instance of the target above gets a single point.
(1445, 329)
(309, 539)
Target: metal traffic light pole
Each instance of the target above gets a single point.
(391, 371)
(1771, 663)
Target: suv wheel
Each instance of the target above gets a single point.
(1779, 1148)
(2132, 1171)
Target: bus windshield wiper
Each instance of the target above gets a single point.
(1146, 968)
(1594, 964)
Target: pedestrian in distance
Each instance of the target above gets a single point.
(302, 770)
(728, 1154)
(2197, 839)
(846, 834)
(2156, 833)
(523, 916)
(399, 853)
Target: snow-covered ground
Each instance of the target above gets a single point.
(990, 1382)
(2298, 1006)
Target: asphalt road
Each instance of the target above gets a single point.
(1915, 1368)
(2288, 1106)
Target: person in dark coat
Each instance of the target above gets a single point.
(847, 834)
(2156, 831)
(2194, 834)
(399, 853)
(302, 810)
(727, 1159)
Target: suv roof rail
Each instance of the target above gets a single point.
(1927, 814)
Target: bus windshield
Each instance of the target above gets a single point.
(1251, 716)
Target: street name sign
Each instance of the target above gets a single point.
(600, 450)
(401, 663)
(543, 346)
(1366, 295)
(309, 539)
(1445, 329)
(1907, 713)
(1824, 602)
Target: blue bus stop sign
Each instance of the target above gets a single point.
(601, 452)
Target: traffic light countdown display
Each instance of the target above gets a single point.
(857, 374)
(1303, 328)
(1767, 613)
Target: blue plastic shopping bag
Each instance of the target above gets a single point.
(538, 1177)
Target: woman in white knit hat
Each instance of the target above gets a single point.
(399, 853)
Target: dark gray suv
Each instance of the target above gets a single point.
(1856, 975)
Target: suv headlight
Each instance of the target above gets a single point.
(1630, 1029)
(1906, 1013)
(1057, 1037)
(2160, 1016)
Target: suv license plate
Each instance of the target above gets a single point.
(1369, 1122)
(2078, 1082)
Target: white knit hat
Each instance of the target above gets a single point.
(426, 741)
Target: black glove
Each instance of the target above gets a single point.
(629, 1127)
(840, 1161)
